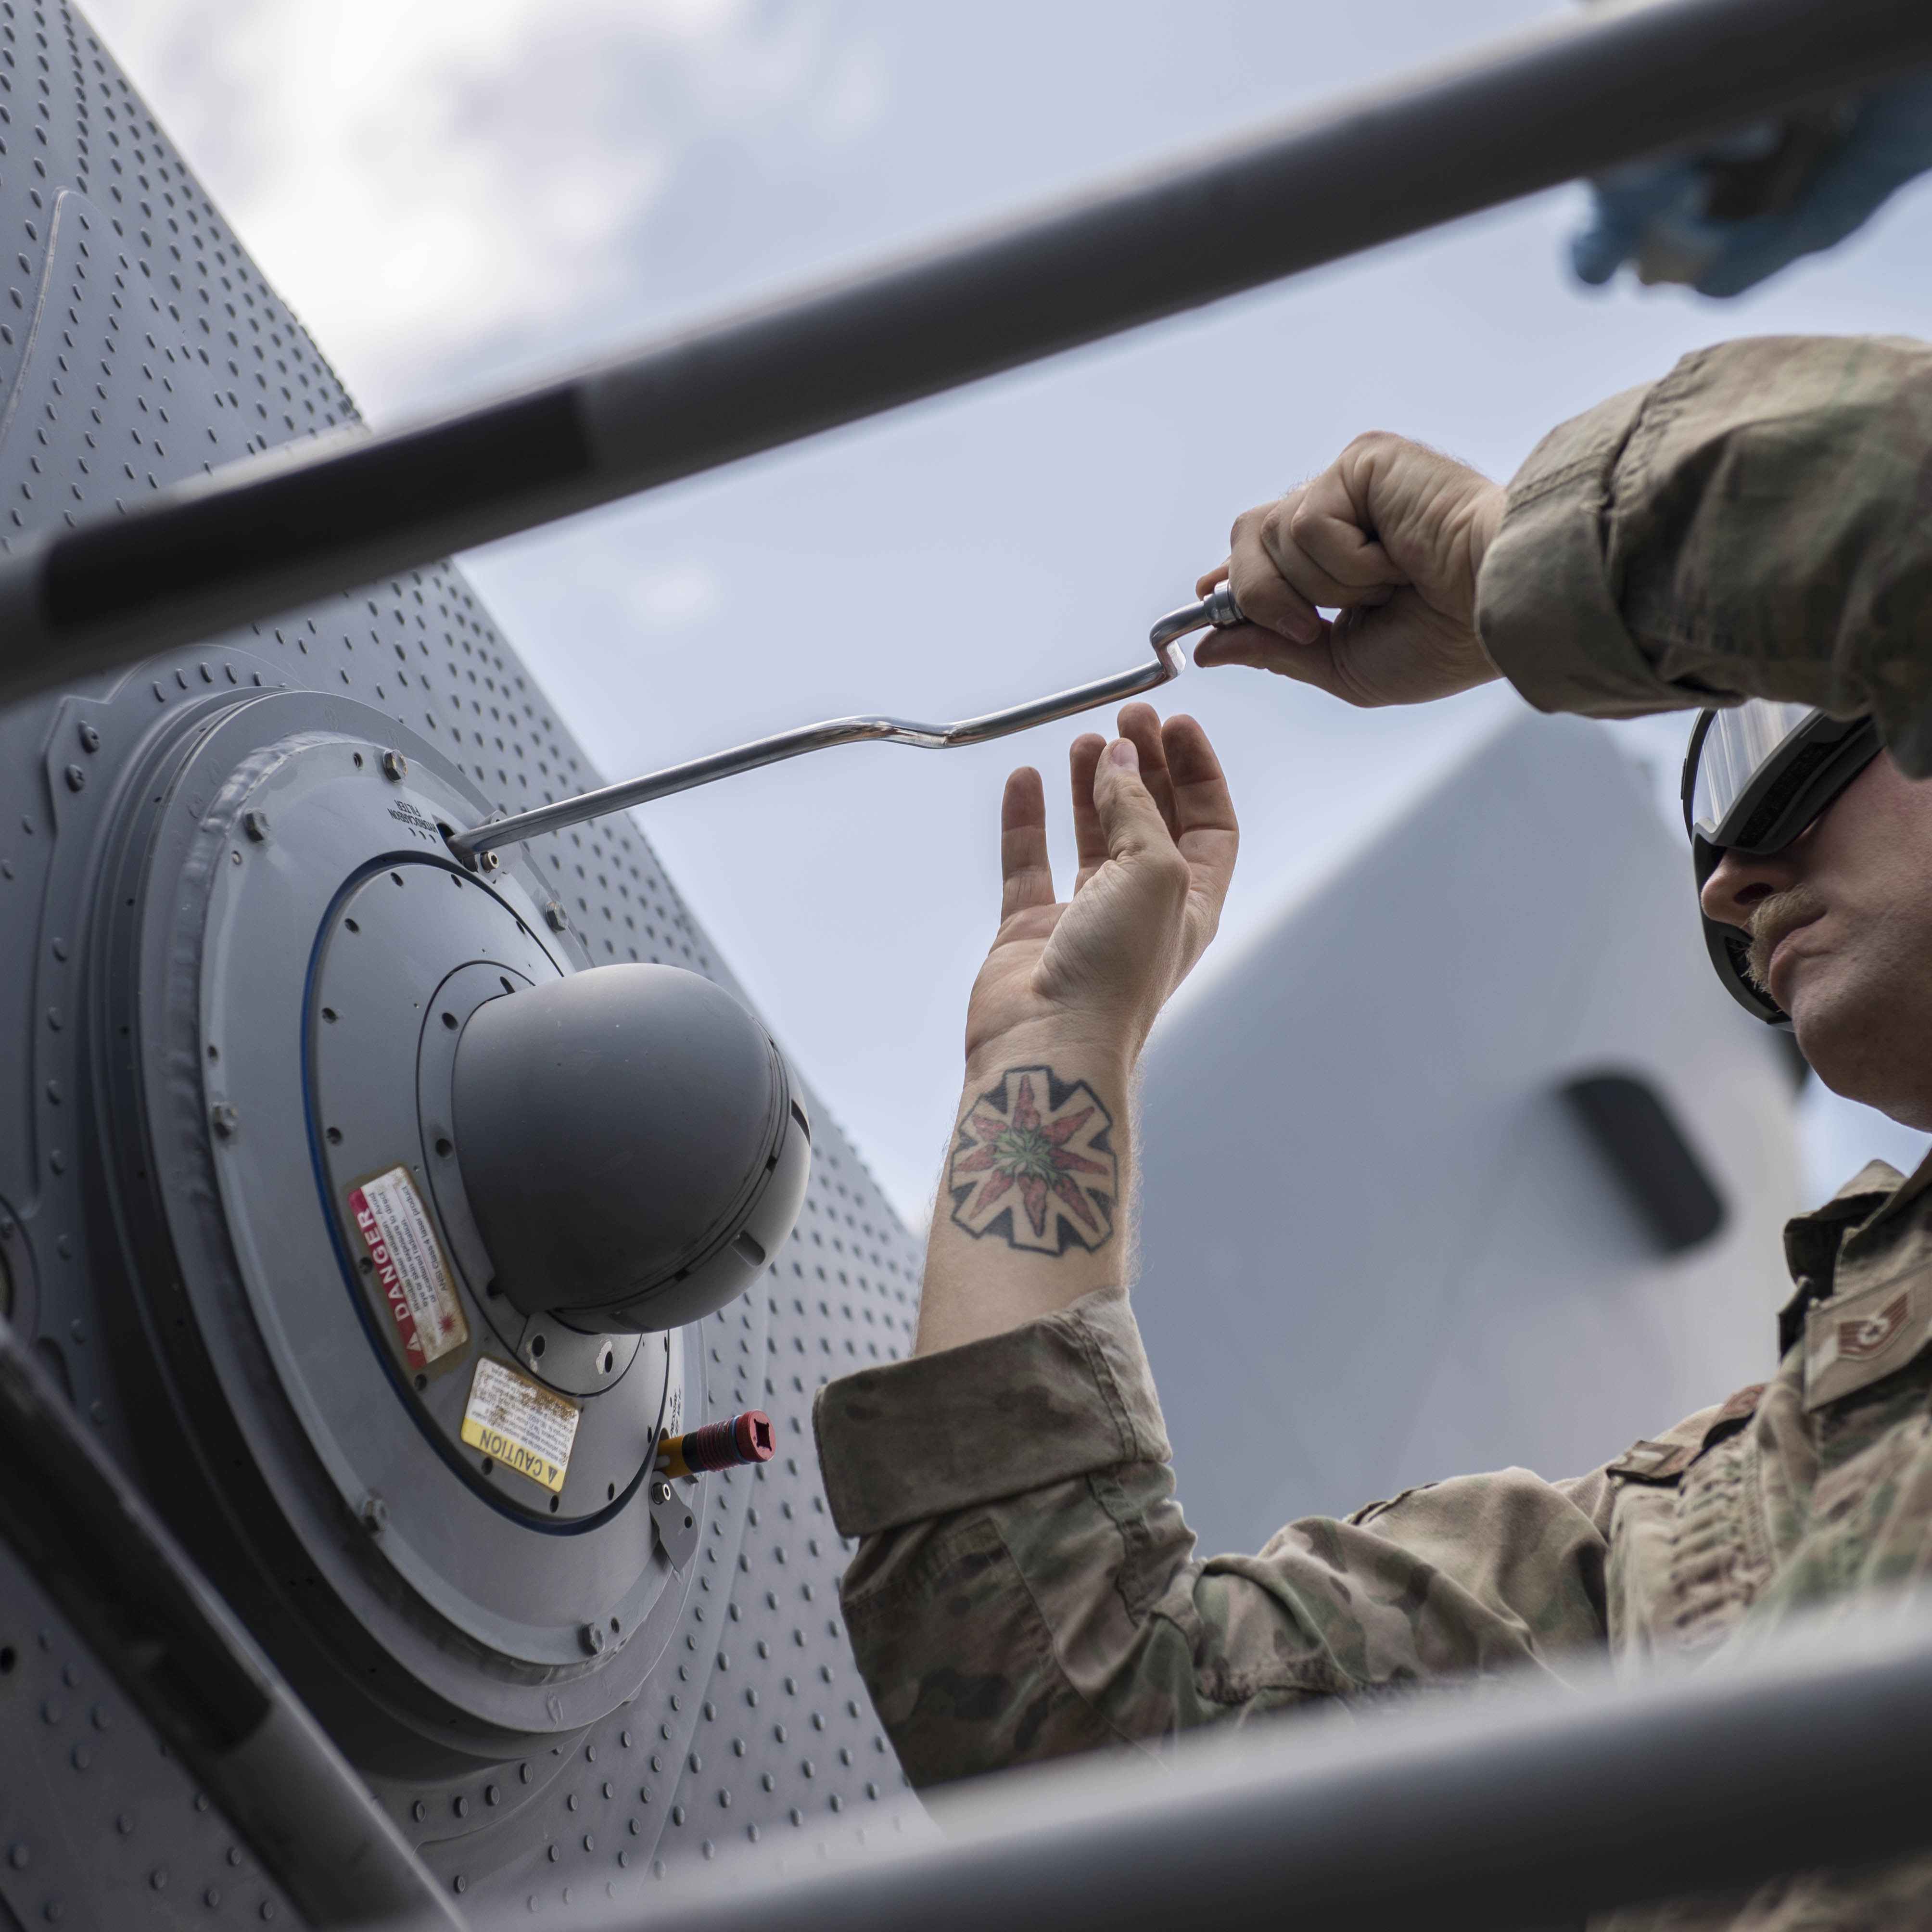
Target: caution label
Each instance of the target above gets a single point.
(526, 1427)
(410, 1269)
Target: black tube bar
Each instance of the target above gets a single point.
(1600, 86)
(93, 1545)
(1513, 1810)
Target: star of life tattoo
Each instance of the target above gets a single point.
(1032, 1165)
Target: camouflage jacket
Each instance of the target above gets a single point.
(1758, 523)
(1755, 525)
(1025, 1585)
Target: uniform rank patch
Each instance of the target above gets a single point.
(1868, 1334)
(1856, 1339)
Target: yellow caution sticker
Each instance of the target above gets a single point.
(524, 1426)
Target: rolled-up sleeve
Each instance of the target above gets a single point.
(1025, 1585)
(1758, 523)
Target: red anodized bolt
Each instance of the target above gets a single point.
(718, 1445)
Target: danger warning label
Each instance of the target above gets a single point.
(408, 1267)
(525, 1427)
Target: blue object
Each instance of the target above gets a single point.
(1666, 217)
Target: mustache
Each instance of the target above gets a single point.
(1771, 919)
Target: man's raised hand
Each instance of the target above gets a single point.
(1155, 835)
(1393, 536)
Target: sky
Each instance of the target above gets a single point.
(460, 195)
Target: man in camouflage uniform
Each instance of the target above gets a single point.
(1757, 523)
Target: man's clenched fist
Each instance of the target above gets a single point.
(1391, 535)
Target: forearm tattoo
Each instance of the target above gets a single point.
(1033, 1164)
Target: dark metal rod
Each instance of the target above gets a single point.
(1600, 86)
(91, 1543)
(1504, 1812)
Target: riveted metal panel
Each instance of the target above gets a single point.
(100, 1826)
(138, 346)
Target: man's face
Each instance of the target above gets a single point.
(1841, 927)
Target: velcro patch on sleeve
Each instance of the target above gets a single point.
(1654, 1461)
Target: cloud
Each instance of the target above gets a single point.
(439, 186)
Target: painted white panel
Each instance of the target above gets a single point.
(1378, 1250)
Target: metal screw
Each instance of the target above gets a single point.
(556, 917)
(395, 766)
(661, 1492)
(592, 1635)
(77, 778)
(487, 862)
(256, 824)
(375, 1514)
(226, 1119)
(90, 739)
